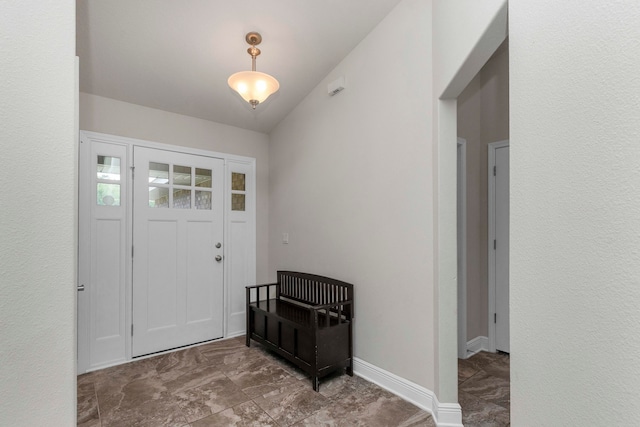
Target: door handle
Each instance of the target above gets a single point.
(218, 258)
(80, 288)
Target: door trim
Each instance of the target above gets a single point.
(230, 159)
(461, 188)
(491, 185)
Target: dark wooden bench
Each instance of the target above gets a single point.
(307, 319)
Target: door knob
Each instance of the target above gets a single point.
(218, 258)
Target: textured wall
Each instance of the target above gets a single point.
(350, 182)
(38, 214)
(113, 117)
(575, 212)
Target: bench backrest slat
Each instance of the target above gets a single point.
(313, 289)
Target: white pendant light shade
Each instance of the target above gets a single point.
(253, 86)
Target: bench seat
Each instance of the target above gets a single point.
(294, 313)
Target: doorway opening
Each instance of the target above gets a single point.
(190, 216)
(482, 119)
(483, 242)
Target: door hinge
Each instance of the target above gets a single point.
(495, 318)
(133, 172)
(132, 251)
(494, 244)
(494, 171)
(132, 329)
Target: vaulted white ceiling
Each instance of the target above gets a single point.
(177, 55)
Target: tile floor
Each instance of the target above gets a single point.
(224, 383)
(484, 389)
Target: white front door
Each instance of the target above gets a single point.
(502, 248)
(177, 250)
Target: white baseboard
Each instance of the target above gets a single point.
(444, 414)
(235, 334)
(477, 345)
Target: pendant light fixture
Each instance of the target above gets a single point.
(253, 87)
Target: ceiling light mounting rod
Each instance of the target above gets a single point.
(253, 86)
(253, 39)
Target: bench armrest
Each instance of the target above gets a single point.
(259, 286)
(342, 314)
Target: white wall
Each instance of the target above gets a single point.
(464, 40)
(351, 182)
(575, 212)
(113, 117)
(38, 219)
(483, 117)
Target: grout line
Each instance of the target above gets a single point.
(95, 393)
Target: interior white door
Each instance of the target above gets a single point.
(502, 248)
(177, 244)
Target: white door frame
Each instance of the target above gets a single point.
(462, 248)
(233, 162)
(493, 146)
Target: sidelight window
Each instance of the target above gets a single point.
(108, 181)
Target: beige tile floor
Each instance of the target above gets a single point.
(484, 390)
(224, 383)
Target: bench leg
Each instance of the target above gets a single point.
(248, 340)
(316, 383)
(350, 368)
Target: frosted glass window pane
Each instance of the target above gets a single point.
(108, 194)
(181, 198)
(158, 173)
(109, 168)
(237, 202)
(158, 197)
(203, 200)
(237, 181)
(181, 175)
(203, 178)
